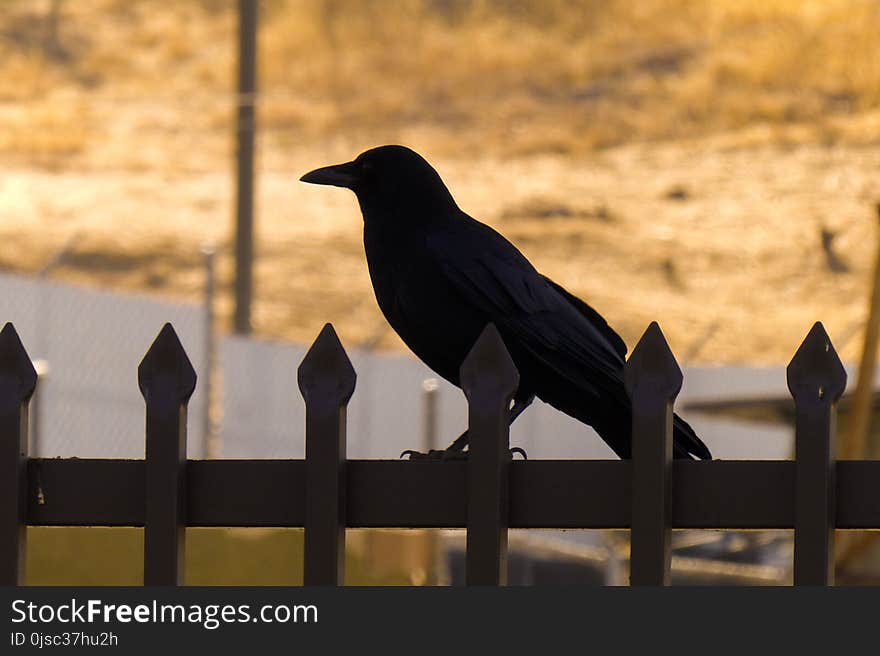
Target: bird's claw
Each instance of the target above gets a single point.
(520, 451)
(435, 454)
(451, 454)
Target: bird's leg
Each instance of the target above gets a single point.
(456, 450)
(516, 410)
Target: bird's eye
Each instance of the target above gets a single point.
(366, 167)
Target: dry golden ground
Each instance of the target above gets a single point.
(736, 265)
(665, 160)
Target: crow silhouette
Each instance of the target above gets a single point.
(441, 276)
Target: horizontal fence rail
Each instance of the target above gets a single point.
(398, 494)
(486, 494)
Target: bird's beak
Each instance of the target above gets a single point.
(338, 175)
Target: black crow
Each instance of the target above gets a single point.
(441, 276)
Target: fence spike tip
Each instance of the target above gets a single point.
(327, 369)
(488, 365)
(16, 368)
(816, 371)
(166, 358)
(653, 364)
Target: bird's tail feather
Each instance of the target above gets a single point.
(686, 444)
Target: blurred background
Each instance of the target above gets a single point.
(712, 165)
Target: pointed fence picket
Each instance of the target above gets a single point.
(167, 380)
(489, 380)
(327, 380)
(652, 380)
(18, 379)
(487, 493)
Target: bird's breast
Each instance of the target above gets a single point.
(421, 305)
(389, 264)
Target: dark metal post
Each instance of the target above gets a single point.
(246, 127)
(17, 382)
(166, 380)
(816, 379)
(326, 380)
(653, 380)
(489, 379)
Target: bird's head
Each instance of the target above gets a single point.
(391, 183)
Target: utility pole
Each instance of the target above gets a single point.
(857, 441)
(246, 127)
(858, 446)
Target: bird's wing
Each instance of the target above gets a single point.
(594, 317)
(494, 278)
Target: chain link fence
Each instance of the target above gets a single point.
(88, 403)
(89, 344)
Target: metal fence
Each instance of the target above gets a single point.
(262, 418)
(487, 494)
(88, 405)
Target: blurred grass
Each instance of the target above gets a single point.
(567, 121)
(214, 556)
(524, 77)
